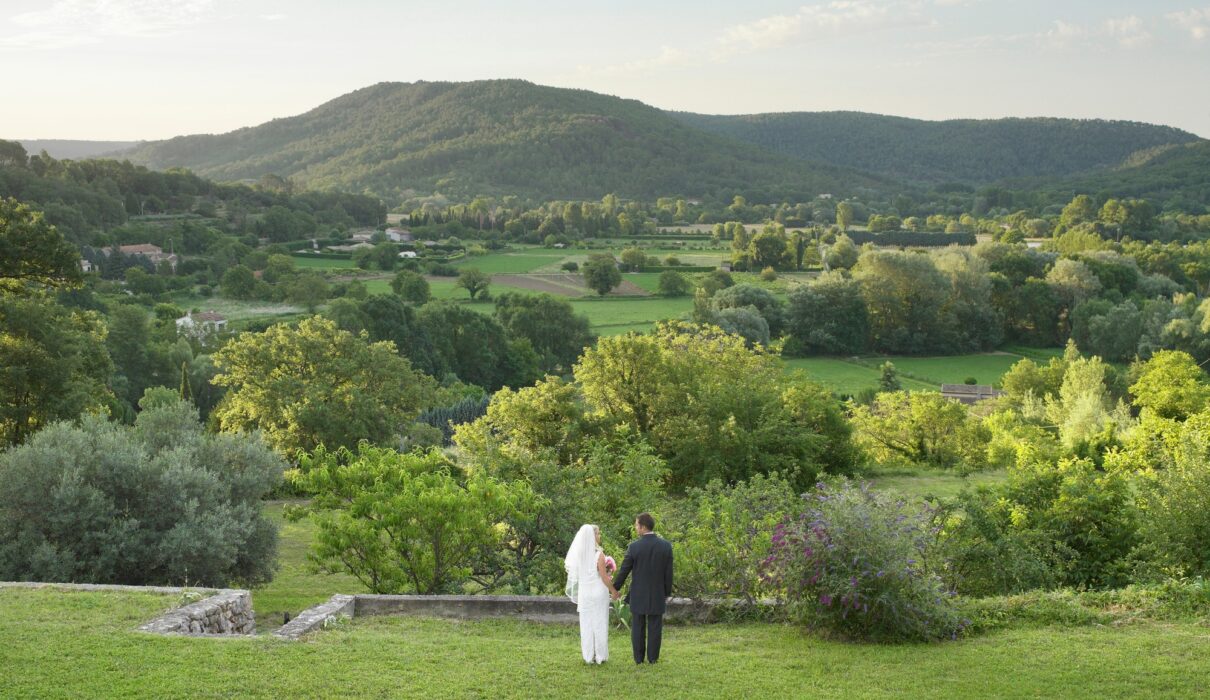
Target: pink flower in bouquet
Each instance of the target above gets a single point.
(610, 564)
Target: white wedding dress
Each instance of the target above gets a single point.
(585, 587)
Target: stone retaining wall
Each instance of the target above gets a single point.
(338, 606)
(225, 613)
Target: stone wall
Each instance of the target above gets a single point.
(225, 613)
(311, 619)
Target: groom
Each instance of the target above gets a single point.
(650, 558)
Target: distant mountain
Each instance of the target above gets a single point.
(964, 151)
(1175, 177)
(497, 137)
(60, 149)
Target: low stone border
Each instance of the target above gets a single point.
(338, 606)
(226, 613)
(222, 613)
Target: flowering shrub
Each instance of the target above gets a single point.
(860, 564)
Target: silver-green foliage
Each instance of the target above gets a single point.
(161, 502)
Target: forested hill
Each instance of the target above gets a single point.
(968, 151)
(1175, 178)
(497, 137)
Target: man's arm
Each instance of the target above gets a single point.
(668, 574)
(624, 569)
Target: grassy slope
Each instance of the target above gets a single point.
(70, 645)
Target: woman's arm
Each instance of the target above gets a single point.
(605, 575)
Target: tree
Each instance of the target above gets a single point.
(308, 290)
(768, 248)
(889, 381)
(411, 286)
(633, 259)
(317, 385)
(601, 273)
(844, 215)
(389, 317)
(550, 325)
(475, 348)
(473, 281)
(920, 428)
(402, 523)
(1171, 385)
(674, 284)
(32, 252)
(161, 502)
(843, 254)
(760, 299)
(238, 283)
(906, 299)
(1081, 209)
(53, 364)
(707, 403)
(827, 315)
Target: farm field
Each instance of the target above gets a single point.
(986, 368)
(845, 377)
(68, 644)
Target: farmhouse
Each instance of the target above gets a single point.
(969, 393)
(201, 325)
(399, 235)
(152, 252)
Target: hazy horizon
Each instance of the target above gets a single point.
(130, 70)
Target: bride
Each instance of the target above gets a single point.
(590, 588)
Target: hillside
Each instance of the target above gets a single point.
(1173, 177)
(496, 137)
(73, 149)
(968, 151)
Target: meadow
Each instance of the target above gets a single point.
(59, 644)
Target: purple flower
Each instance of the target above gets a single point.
(825, 599)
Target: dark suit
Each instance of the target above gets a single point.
(650, 559)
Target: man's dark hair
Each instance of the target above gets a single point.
(646, 521)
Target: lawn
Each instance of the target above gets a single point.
(512, 262)
(636, 313)
(296, 586)
(66, 644)
(323, 263)
(986, 368)
(845, 377)
(933, 483)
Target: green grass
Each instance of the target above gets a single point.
(296, 586)
(847, 377)
(233, 309)
(986, 368)
(634, 312)
(932, 483)
(57, 644)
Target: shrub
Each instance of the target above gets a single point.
(1064, 524)
(571, 266)
(722, 535)
(856, 563)
(411, 286)
(161, 502)
(402, 522)
(768, 274)
(673, 284)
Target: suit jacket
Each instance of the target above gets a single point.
(650, 559)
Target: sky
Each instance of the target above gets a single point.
(151, 69)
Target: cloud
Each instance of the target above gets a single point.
(1128, 32)
(66, 23)
(820, 19)
(1194, 21)
(277, 16)
(668, 56)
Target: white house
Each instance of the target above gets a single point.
(407, 253)
(201, 324)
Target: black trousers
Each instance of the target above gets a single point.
(646, 633)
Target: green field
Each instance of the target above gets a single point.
(513, 262)
(986, 368)
(68, 644)
(845, 377)
(635, 312)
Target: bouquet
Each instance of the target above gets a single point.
(610, 565)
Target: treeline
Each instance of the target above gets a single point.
(89, 201)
